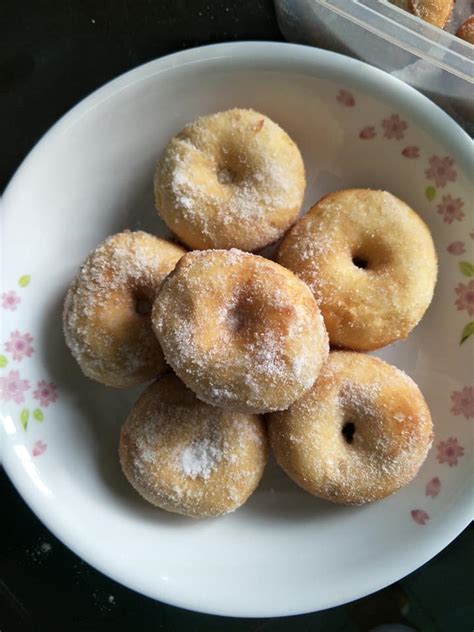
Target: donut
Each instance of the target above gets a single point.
(466, 30)
(107, 310)
(231, 179)
(359, 434)
(401, 4)
(435, 12)
(239, 330)
(370, 262)
(188, 457)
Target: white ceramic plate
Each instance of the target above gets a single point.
(284, 552)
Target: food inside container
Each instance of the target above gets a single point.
(429, 58)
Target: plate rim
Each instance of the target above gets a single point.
(447, 130)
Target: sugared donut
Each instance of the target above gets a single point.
(231, 179)
(361, 433)
(107, 309)
(188, 457)
(466, 30)
(435, 12)
(370, 262)
(239, 330)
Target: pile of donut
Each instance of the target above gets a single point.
(238, 344)
(438, 13)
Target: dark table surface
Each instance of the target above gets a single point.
(52, 55)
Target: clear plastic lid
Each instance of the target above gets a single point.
(376, 31)
(392, 24)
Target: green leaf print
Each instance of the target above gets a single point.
(467, 332)
(38, 414)
(430, 193)
(24, 415)
(3, 361)
(466, 268)
(24, 280)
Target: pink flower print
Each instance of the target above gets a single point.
(19, 345)
(449, 451)
(367, 133)
(433, 487)
(10, 300)
(344, 97)
(450, 209)
(411, 152)
(441, 170)
(463, 402)
(456, 248)
(465, 297)
(13, 387)
(394, 127)
(46, 393)
(39, 448)
(419, 516)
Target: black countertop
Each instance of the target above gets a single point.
(52, 55)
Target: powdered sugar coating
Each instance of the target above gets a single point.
(239, 330)
(370, 262)
(200, 458)
(358, 435)
(106, 312)
(188, 457)
(231, 179)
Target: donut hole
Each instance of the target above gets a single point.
(142, 304)
(252, 318)
(360, 262)
(242, 318)
(232, 166)
(370, 254)
(348, 431)
(226, 175)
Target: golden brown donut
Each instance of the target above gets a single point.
(361, 433)
(401, 4)
(231, 179)
(466, 30)
(107, 309)
(370, 262)
(185, 456)
(239, 330)
(435, 12)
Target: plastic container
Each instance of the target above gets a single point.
(431, 59)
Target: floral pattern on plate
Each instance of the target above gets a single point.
(13, 386)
